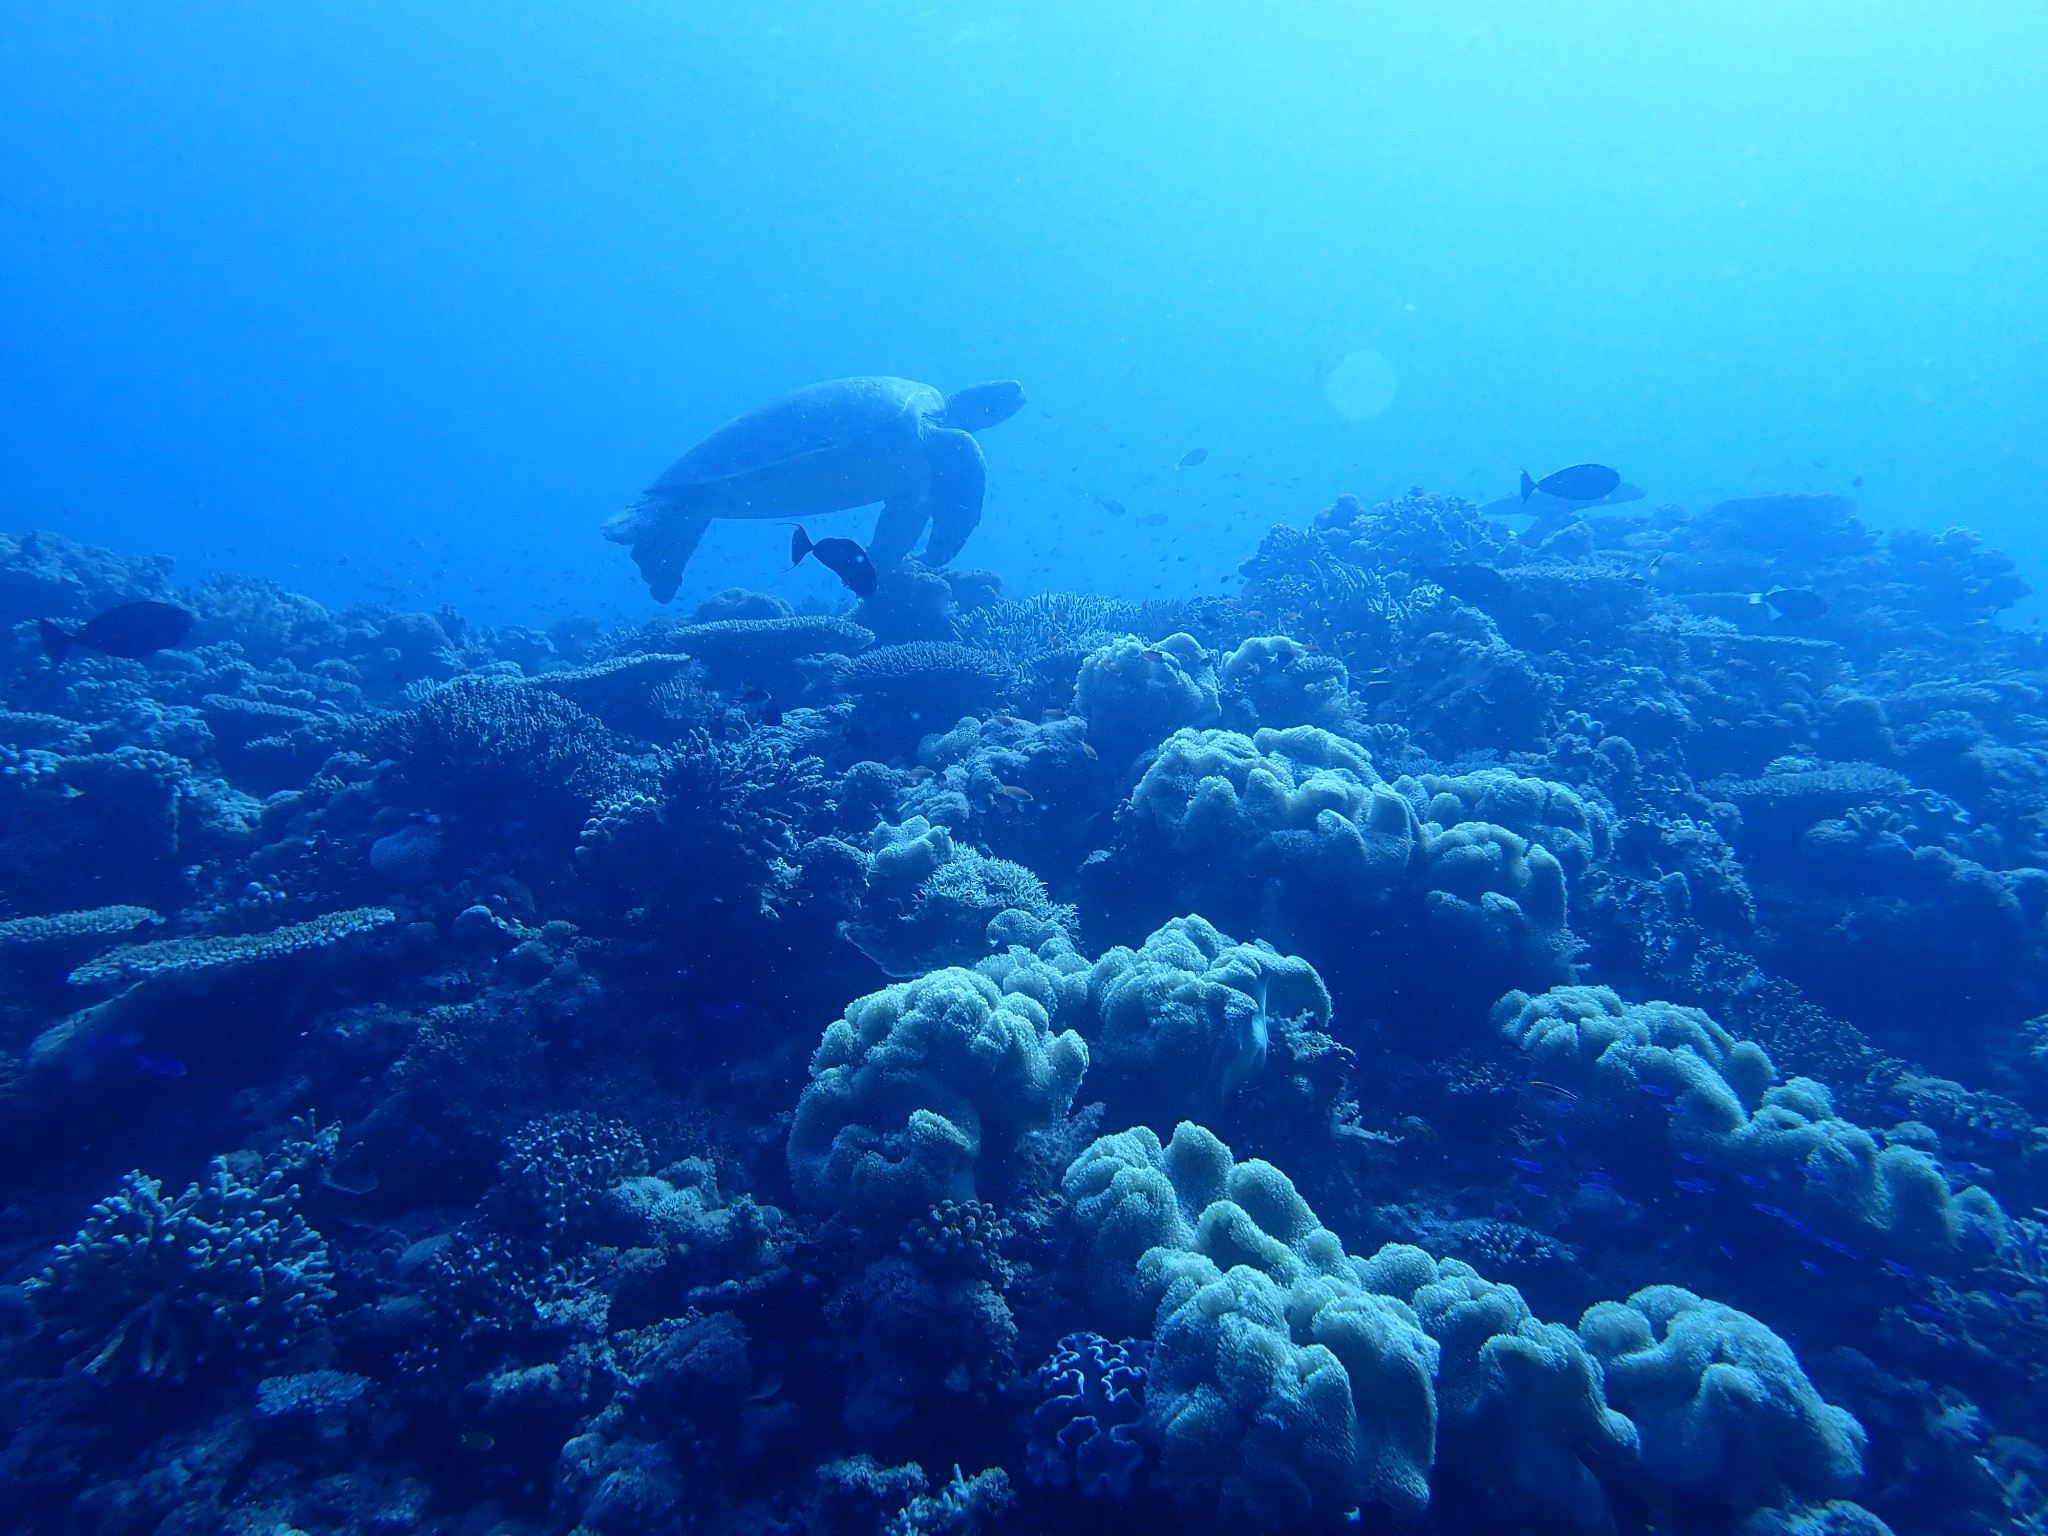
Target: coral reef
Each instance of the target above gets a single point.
(1189, 1060)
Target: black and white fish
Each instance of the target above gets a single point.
(842, 557)
(131, 630)
(1802, 605)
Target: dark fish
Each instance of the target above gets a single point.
(842, 557)
(131, 630)
(1193, 457)
(1800, 604)
(1581, 482)
(1481, 585)
(1113, 508)
(1778, 1213)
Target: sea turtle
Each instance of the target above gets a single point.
(826, 448)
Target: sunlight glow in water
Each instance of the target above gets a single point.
(1362, 386)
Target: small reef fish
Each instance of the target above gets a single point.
(1089, 748)
(1193, 457)
(1113, 508)
(131, 630)
(1779, 1213)
(1015, 792)
(842, 557)
(1802, 605)
(1578, 482)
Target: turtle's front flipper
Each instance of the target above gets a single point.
(663, 536)
(897, 529)
(959, 478)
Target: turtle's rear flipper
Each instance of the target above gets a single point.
(959, 479)
(897, 529)
(663, 536)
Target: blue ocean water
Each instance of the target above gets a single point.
(1267, 979)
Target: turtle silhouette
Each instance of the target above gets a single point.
(826, 448)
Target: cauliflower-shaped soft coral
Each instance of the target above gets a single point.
(1272, 1414)
(1524, 1405)
(1720, 1402)
(1298, 802)
(1134, 694)
(1555, 816)
(930, 899)
(1282, 1391)
(1184, 1022)
(1272, 680)
(921, 1087)
(1498, 899)
(1674, 1070)
(1292, 836)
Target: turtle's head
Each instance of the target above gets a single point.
(984, 405)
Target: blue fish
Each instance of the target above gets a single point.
(1903, 1271)
(1697, 1186)
(1842, 1248)
(1926, 1314)
(1598, 1176)
(1653, 1090)
(159, 1066)
(1779, 1213)
(1536, 1189)
(1812, 1268)
(1526, 1165)
(1694, 1158)
(1753, 1181)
